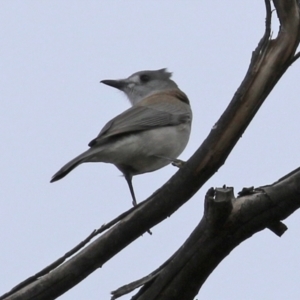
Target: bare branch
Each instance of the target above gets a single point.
(227, 222)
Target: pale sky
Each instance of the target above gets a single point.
(53, 55)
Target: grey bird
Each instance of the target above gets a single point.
(146, 137)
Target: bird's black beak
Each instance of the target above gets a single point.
(118, 84)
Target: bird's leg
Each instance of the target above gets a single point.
(128, 178)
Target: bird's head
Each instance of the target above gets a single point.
(142, 84)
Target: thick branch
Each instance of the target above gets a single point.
(226, 223)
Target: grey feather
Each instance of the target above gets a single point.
(140, 118)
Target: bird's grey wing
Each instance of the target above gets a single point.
(139, 118)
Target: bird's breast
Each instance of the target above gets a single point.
(153, 149)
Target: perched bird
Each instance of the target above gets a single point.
(146, 137)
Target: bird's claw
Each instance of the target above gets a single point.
(178, 163)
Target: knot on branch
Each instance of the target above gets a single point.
(218, 205)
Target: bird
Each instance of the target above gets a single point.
(149, 135)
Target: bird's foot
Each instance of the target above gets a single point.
(178, 163)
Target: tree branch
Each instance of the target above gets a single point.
(227, 222)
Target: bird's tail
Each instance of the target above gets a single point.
(67, 168)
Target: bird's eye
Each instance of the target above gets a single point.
(144, 78)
